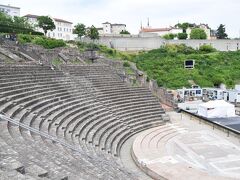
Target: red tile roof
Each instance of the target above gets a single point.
(155, 29)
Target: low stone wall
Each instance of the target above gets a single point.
(130, 43)
(221, 45)
(138, 42)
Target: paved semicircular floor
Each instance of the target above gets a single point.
(187, 151)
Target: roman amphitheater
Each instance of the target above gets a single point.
(84, 121)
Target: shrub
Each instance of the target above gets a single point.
(126, 64)
(207, 49)
(41, 40)
(49, 43)
(57, 62)
(24, 38)
(92, 46)
(198, 33)
(169, 36)
(36, 33)
(147, 79)
(182, 35)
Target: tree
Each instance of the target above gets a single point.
(92, 33)
(14, 25)
(5, 19)
(198, 33)
(80, 30)
(183, 26)
(182, 35)
(221, 32)
(22, 22)
(124, 32)
(46, 23)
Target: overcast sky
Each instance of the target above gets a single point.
(162, 13)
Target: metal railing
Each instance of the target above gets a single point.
(45, 135)
(214, 124)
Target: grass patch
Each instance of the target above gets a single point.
(43, 41)
(57, 62)
(166, 65)
(129, 71)
(75, 61)
(106, 51)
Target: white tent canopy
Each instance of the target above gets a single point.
(216, 109)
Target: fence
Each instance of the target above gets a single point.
(45, 135)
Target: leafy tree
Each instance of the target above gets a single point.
(14, 25)
(80, 30)
(92, 33)
(182, 35)
(169, 36)
(198, 33)
(221, 32)
(22, 22)
(46, 23)
(124, 32)
(183, 26)
(5, 19)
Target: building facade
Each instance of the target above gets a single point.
(108, 28)
(64, 29)
(10, 10)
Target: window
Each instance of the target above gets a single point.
(198, 91)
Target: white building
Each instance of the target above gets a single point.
(109, 28)
(64, 29)
(10, 10)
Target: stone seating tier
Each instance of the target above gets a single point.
(88, 107)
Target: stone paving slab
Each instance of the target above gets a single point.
(198, 152)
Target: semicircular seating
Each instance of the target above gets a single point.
(88, 107)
